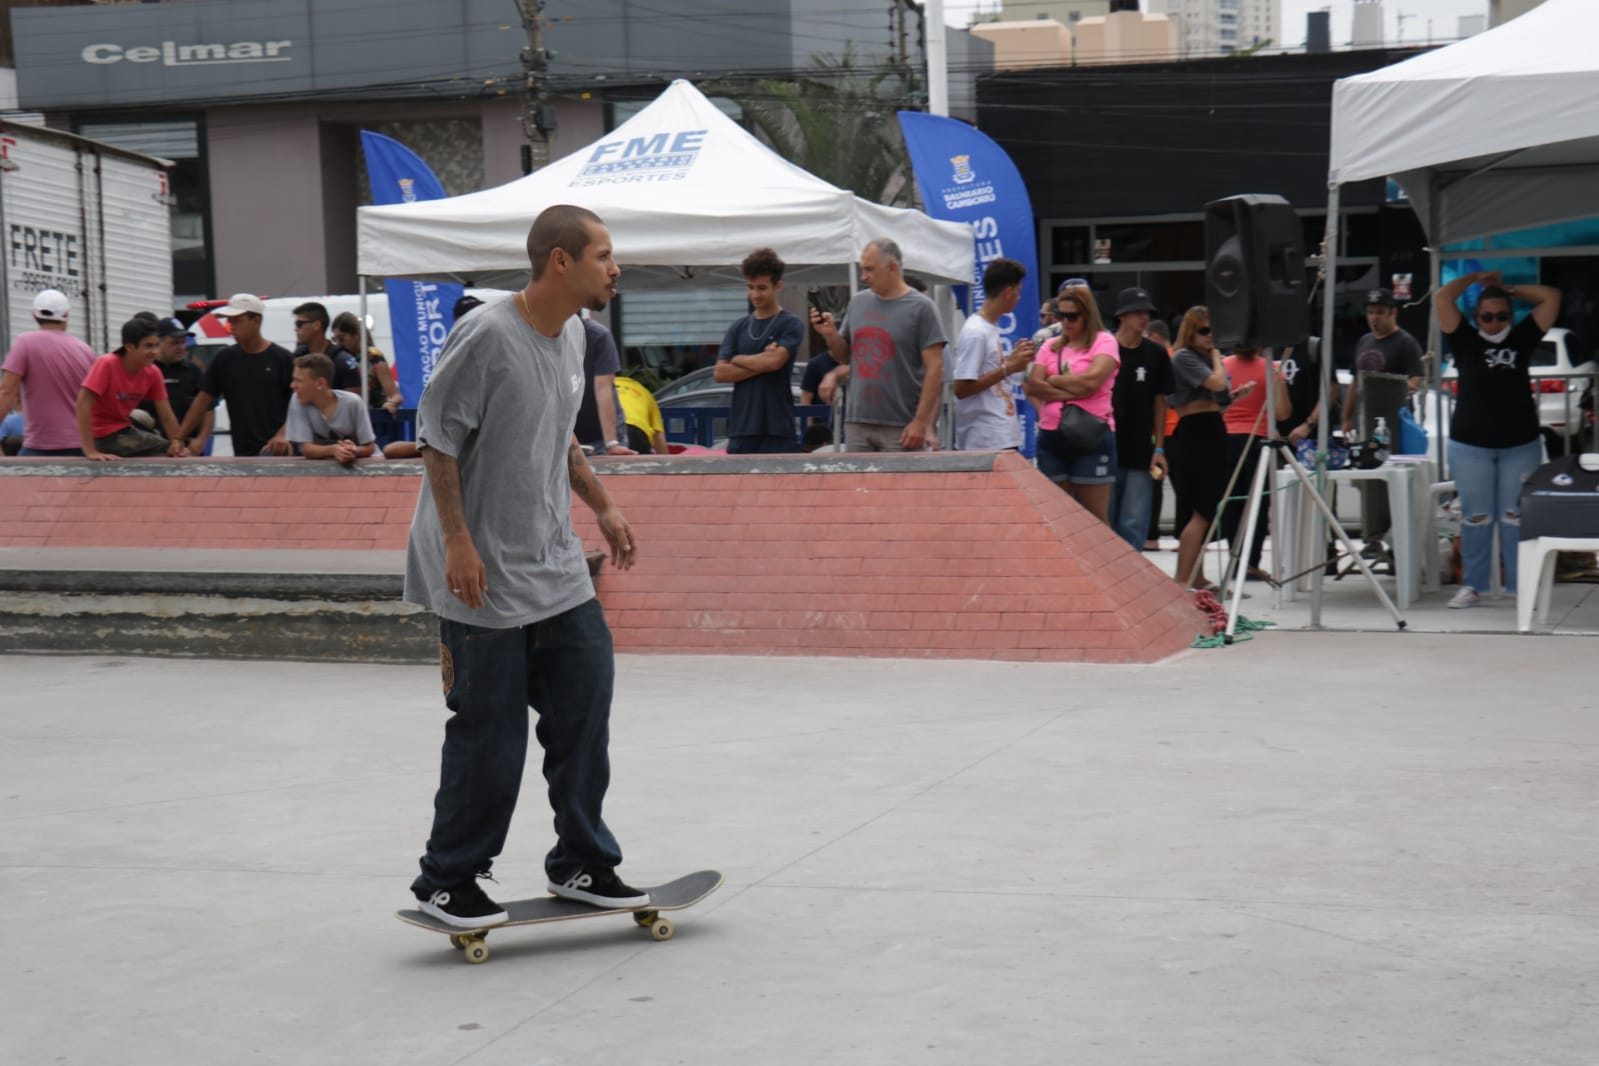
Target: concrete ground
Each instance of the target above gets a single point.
(1350, 605)
(1311, 848)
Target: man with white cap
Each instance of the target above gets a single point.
(45, 366)
(254, 377)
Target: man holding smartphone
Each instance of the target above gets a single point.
(985, 399)
(893, 344)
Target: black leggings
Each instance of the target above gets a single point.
(1233, 512)
(1197, 456)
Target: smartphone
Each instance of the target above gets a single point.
(813, 296)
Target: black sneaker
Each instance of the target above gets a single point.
(601, 888)
(464, 906)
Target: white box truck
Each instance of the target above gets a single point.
(89, 219)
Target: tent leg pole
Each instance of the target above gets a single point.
(1435, 280)
(854, 286)
(1329, 294)
(366, 343)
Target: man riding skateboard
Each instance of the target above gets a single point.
(493, 554)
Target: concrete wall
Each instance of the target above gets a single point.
(284, 190)
(1063, 11)
(1502, 11)
(1126, 37)
(1021, 44)
(267, 215)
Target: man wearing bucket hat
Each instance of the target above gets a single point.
(253, 376)
(1139, 401)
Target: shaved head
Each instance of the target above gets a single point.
(564, 227)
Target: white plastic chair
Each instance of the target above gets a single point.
(1541, 553)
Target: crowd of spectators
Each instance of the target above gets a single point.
(1121, 406)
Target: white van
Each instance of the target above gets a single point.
(277, 325)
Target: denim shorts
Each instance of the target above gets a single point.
(1097, 467)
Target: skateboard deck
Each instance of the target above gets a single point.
(672, 896)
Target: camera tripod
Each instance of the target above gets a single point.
(1264, 467)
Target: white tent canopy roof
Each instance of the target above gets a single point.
(1496, 132)
(685, 192)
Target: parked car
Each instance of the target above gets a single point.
(699, 391)
(678, 393)
(1558, 393)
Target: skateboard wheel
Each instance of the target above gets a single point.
(661, 929)
(476, 950)
(645, 918)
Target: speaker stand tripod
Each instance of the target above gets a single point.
(1264, 468)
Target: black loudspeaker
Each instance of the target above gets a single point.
(1255, 272)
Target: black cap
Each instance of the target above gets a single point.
(170, 327)
(1381, 296)
(1129, 300)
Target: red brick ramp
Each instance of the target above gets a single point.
(935, 556)
(932, 556)
(246, 504)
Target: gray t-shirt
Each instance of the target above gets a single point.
(886, 338)
(503, 400)
(1397, 353)
(305, 424)
(1190, 369)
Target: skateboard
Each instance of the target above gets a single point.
(672, 896)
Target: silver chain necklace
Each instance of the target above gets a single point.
(770, 322)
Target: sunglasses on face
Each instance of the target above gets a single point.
(1493, 316)
(1071, 316)
(1203, 331)
(301, 323)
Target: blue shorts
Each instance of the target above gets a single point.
(1097, 467)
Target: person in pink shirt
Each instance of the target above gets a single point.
(1246, 424)
(44, 368)
(115, 385)
(1077, 368)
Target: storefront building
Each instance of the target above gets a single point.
(260, 102)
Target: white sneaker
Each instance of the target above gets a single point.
(1466, 597)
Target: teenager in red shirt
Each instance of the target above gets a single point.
(115, 385)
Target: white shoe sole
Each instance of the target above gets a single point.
(461, 922)
(620, 903)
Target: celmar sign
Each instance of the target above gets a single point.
(94, 56)
(173, 54)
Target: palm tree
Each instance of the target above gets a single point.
(836, 121)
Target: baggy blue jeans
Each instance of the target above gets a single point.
(1489, 481)
(1131, 505)
(564, 668)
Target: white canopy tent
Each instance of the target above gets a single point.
(1494, 133)
(686, 193)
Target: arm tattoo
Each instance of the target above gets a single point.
(579, 472)
(444, 478)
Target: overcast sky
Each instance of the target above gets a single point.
(1442, 12)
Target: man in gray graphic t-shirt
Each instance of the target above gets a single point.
(492, 553)
(894, 345)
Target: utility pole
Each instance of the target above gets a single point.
(937, 58)
(538, 114)
(899, 33)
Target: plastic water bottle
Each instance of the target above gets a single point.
(1380, 435)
